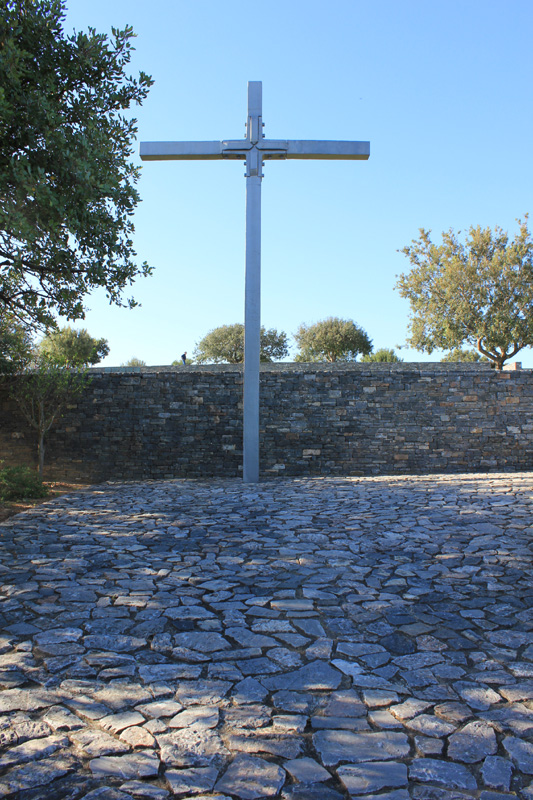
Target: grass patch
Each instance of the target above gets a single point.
(21, 483)
(55, 489)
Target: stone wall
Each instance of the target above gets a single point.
(316, 419)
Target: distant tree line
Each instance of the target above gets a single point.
(331, 339)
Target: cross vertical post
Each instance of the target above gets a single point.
(254, 149)
(252, 292)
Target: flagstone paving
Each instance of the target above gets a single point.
(298, 639)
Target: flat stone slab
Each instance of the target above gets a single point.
(117, 644)
(430, 725)
(248, 690)
(452, 776)
(310, 792)
(144, 790)
(204, 642)
(135, 765)
(479, 698)
(33, 750)
(473, 743)
(306, 770)
(366, 778)
(345, 704)
(94, 743)
(159, 708)
(497, 772)
(25, 700)
(31, 776)
(168, 672)
(203, 692)
(198, 716)
(250, 778)
(265, 741)
(58, 636)
(521, 753)
(192, 747)
(118, 722)
(314, 676)
(341, 745)
(192, 781)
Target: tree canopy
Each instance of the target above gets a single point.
(67, 187)
(331, 339)
(73, 348)
(479, 291)
(383, 355)
(465, 356)
(134, 362)
(225, 345)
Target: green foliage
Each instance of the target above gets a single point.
(460, 355)
(134, 362)
(331, 339)
(42, 394)
(20, 483)
(72, 348)
(384, 355)
(15, 344)
(225, 345)
(67, 186)
(478, 292)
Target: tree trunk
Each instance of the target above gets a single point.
(40, 451)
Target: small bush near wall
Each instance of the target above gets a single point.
(20, 483)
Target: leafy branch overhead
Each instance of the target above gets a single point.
(67, 186)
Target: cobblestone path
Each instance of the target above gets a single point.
(306, 638)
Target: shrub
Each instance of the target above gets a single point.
(20, 483)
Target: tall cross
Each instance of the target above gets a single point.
(254, 149)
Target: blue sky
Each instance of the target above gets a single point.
(443, 91)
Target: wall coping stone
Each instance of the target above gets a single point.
(428, 367)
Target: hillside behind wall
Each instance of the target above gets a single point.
(316, 419)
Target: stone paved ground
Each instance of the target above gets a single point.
(326, 638)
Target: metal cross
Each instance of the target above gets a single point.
(254, 149)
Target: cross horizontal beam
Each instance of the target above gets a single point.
(179, 151)
(269, 149)
(302, 148)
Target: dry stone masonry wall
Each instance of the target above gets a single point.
(316, 419)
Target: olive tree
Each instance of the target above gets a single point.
(226, 345)
(331, 339)
(134, 362)
(478, 291)
(42, 393)
(459, 355)
(383, 355)
(74, 348)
